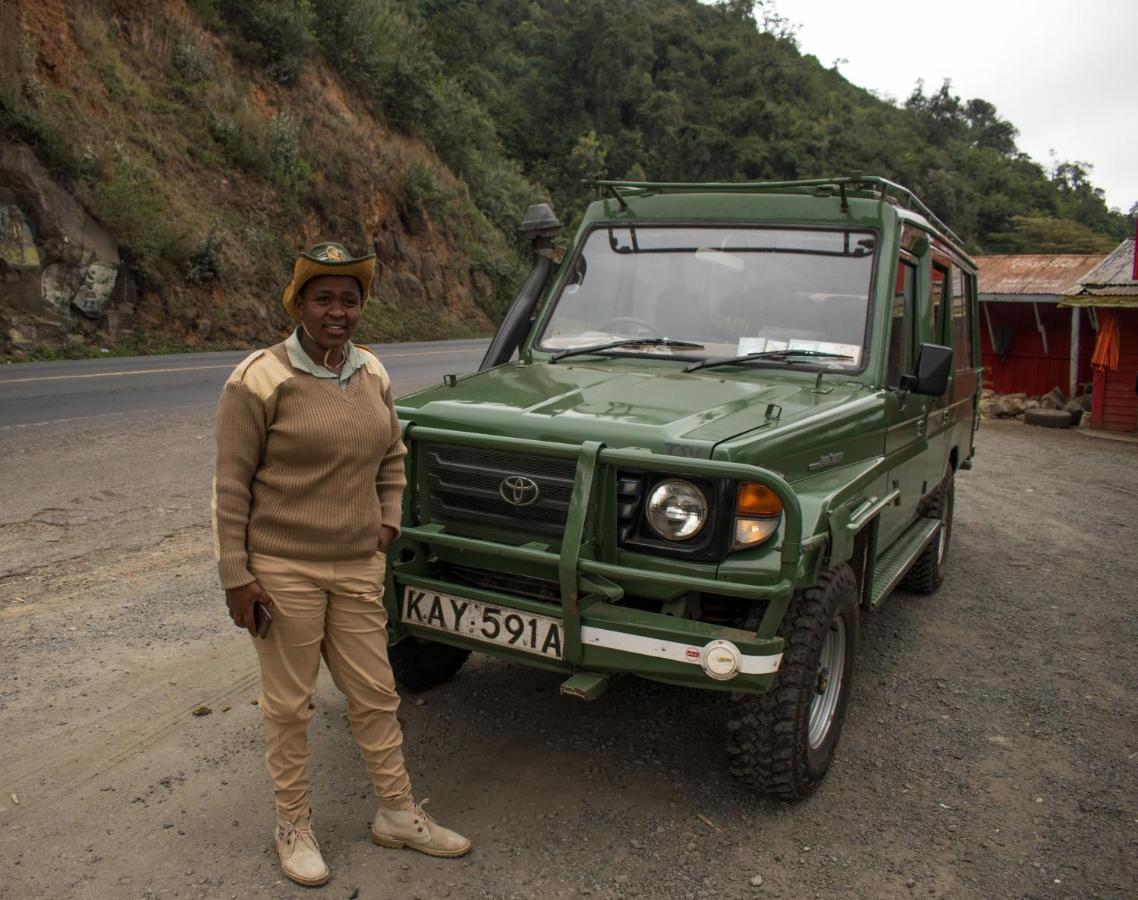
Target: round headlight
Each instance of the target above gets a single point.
(676, 510)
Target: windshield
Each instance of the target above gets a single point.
(733, 290)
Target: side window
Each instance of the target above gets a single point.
(939, 289)
(961, 320)
(903, 293)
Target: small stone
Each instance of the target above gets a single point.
(691, 846)
(635, 844)
(756, 880)
(201, 710)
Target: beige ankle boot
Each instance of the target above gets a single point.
(300, 853)
(413, 828)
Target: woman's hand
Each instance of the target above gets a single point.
(386, 536)
(240, 601)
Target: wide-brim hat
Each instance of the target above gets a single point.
(328, 258)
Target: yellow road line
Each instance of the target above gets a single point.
(188, 369)
(110, 374)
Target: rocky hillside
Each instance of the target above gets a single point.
(156, 179)
(161, 161)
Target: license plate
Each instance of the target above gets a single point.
(483, 621)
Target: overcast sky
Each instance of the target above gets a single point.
(1065, 74)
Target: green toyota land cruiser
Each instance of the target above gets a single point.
(723, 425)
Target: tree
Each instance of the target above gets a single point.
(1044, 234)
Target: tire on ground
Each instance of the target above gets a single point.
(420, 664)
(769, 738)
(1048, 418)
(927, 572)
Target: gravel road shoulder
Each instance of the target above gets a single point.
(991, 747)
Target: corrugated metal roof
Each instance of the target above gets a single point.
(1034, 273)
(1110, 280)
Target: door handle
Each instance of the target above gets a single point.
(945, 417)
(920, 425)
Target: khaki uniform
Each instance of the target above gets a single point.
(309, 469)
(333, 610)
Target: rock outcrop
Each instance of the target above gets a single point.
(61, 277)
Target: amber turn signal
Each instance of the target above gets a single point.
(757, 500)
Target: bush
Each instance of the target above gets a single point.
(205, 262)
(275, 34)
(19, 119)
(193, 63)
(130, 204)
(238, 142)
(282, 140)
(420, 190)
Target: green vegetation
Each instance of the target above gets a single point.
(516, 95)
(679, 90)
(130, 202)
(205, 262)
(25, 115)
(208, 144)
(273, 36)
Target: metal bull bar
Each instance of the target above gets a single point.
(580, 575)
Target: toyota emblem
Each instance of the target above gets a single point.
(517, 490)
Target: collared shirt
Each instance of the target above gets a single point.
(298, 356)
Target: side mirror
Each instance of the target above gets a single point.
(934, 365)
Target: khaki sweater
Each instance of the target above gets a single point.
(305, 469)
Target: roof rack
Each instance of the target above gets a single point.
(885, 189)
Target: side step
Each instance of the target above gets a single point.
(897, 560)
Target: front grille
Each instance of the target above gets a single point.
(504, 583)
(629, 495)
(466, 485)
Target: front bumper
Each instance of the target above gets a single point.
(600, 635)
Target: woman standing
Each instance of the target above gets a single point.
(307, 498)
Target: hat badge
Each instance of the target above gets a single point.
(332, 254)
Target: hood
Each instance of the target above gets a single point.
(626, 404)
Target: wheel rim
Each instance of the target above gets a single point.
(941, 542)
(831, 671)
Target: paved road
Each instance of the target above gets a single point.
(44, 392)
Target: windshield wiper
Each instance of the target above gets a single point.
(777, 355)
(627, 342)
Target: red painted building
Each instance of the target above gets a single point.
(1109, 295)
(1028, 343)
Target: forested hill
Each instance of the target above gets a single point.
(684, 91)
(162, 160)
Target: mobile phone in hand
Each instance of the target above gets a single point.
(262, 618)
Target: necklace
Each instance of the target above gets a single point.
(335, 367)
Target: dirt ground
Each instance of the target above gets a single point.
(991, 748)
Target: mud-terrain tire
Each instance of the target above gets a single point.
(1048, 418)
(420, 664)
(782, 743)
(927, 572)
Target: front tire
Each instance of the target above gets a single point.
(420, 664)
(782, 743)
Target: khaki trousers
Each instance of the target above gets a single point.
(332, 609)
